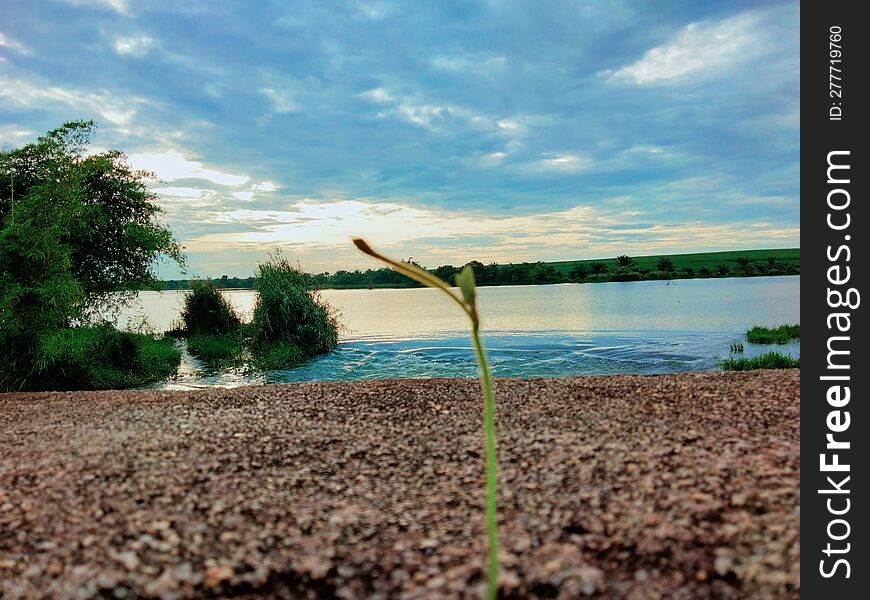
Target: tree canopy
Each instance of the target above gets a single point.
(76, 229)
(89, 216)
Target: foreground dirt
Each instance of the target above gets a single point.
(673, 486)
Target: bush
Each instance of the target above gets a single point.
(101, 357)
(776, 335)
(290, 322)
(207, 312)
(769, 360)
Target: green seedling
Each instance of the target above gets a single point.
(467, 300)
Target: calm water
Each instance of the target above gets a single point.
(530, 331)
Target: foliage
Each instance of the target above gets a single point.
(101, 357)
(289, 313)
(207, 312)
(216, 349)
(598, 268)
(686, 266)
(74, 229)
(769, 360)
(98, 208)
(666, 264)
(773, 335)
(736, 347)
(623, 261)
(467, 300)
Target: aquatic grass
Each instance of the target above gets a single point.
(773, 335)
(101, 357)
(467, 301)
(736, 347)
(217, 349)
(768, 360)
(291, 323)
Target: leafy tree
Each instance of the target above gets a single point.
(598, 268)
(623, 261)
(666, 264)
(74, 230)
(578, 273)
(97, 208)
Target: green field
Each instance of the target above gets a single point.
(696, 261)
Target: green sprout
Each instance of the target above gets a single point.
(468, 302)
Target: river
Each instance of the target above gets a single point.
(529, 331)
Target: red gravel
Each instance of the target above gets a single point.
(670, 486)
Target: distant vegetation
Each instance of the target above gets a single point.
(741, 263)
(75, 228)
(775, 335)
(769, 360)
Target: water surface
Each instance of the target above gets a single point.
(530, 331)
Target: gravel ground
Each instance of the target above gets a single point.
(664, 486)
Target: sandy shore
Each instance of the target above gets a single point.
(672, 486)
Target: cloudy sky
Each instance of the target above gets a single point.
(498, 130)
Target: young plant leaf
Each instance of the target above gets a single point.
(465, 281)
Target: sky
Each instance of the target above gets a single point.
(495, 130)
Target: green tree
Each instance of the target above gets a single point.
(97, 208)
(598, 268)
(75, 229)
(623, 261)
(666, 264)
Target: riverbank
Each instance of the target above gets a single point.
(668, 486)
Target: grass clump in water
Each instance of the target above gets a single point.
(291, 323)
(773, 335)
(102, 357)
(207, 312)
(768, 360)
(210, 324)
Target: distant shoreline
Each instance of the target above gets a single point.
(704, 265)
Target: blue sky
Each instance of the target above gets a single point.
(448, 131)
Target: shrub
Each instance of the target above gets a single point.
(775, 335)
(289, 314)
(769, 360)
(207, 312)
(101, 357)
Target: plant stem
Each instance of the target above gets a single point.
(491, 462)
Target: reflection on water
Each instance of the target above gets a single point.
(530, 331)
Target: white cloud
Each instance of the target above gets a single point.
(379, 95)
(119, 6)
(8, 42)
(282, 100)
(570, 163)
(171, 165)
(244, 196)
(29, 95)
(183, 192)
(477, 64)
(14, 135)
(698, 48)
(133, 46)
(326, 227)
(264, 186)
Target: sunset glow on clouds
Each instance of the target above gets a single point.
(448, 132)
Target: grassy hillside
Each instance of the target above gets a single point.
(697, 261)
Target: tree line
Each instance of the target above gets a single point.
(621, 268)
